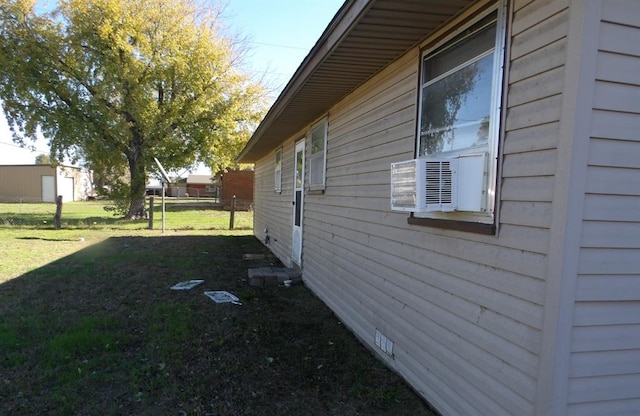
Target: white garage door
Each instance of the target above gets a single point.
(66, 189)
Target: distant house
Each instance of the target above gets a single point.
(201, 186)
(459, 180)
(42, 183)
(196, 186)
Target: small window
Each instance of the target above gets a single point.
(317, 160)
(278, 171)
(459, 113)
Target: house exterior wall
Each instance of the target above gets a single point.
(604, 364)
(523, 322)
(273, 210)
(463, 310)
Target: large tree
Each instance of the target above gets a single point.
(119, 82)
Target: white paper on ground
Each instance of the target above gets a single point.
(221, 296)
(189, 284)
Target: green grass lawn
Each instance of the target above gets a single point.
(89, 325)
(92, 214)
(29, 239)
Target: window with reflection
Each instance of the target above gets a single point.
(458, 80)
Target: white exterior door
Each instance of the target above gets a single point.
(48, 189)
(298, 203)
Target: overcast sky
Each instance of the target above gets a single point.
(280, 34)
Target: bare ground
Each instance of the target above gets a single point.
(100, 333)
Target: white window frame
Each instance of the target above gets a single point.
(319, 157)
(495, 116)
(278, 171)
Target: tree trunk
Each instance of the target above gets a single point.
(137, 209)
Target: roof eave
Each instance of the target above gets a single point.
(363, 38)
(344, 19)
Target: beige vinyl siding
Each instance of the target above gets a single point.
(604, 366)
(464, 310)
(534, 95)
(273, 210)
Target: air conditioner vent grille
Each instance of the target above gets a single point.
(439, 182)
(403, 185)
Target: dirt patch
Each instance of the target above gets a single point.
(100, 332)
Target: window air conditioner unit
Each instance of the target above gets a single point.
(439, 184)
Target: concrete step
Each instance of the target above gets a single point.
(272, 276)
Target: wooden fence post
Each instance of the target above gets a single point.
(57, 219)
(233, 212)
(151, 212)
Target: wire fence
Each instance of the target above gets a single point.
(20, 200)
(186, 201)
(180, 192)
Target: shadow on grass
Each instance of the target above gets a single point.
(46, 239)
(99, 332)
(41, 220)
